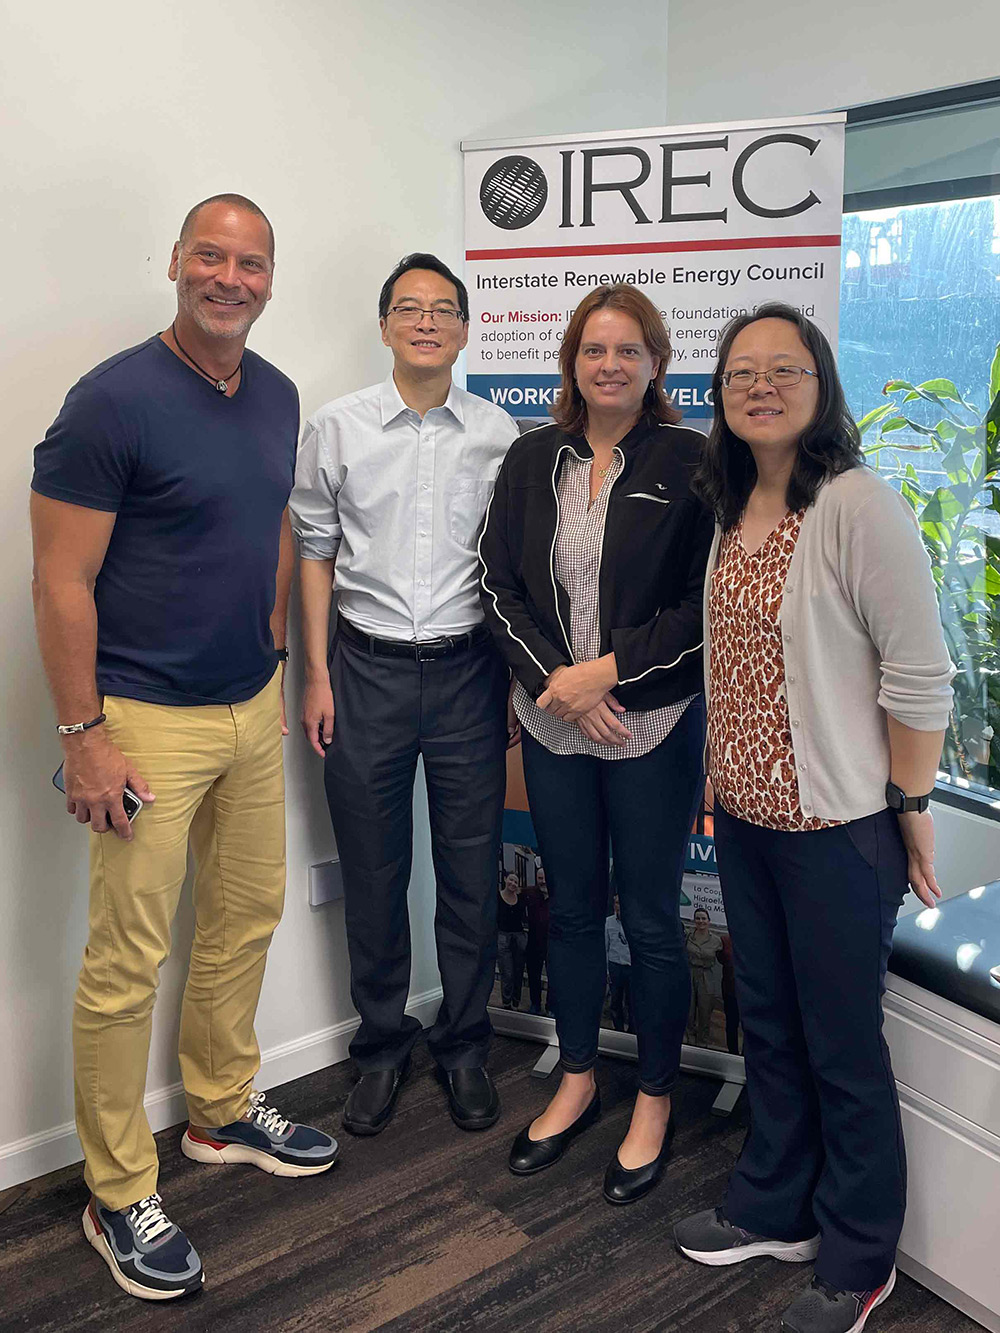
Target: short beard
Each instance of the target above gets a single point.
(193, 306)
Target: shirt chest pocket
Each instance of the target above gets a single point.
(465, 503)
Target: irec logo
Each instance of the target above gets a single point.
(514, 190)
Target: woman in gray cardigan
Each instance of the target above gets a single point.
(828, 689)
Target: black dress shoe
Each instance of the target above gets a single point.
(373, 1099)
(472, 1097)
(530, 1155)
(624, 1184)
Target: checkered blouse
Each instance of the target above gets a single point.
(579, 540)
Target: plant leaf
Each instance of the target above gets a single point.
(941, 388)
(946, 429)
(876, 414)
(954, 463)
(992, 423)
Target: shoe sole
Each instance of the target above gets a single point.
(365, 1131)
(883, 1295)
(478, 1123)
(634, 1198)
(788, 1252)
(95, 1236)
(535, 1170)
(230, 1154)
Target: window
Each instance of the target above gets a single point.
(921, 307)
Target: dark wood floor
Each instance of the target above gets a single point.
(424, 1230)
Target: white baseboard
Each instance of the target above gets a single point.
(54, 1148)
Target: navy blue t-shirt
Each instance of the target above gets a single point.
(198, 482)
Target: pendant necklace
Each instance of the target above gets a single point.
(223, 384)
(601, 471)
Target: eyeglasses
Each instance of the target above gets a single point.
(781, 377)
(411, 314)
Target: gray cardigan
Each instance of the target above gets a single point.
(862, 638)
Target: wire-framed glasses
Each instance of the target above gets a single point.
(779, 377)
(412, 314)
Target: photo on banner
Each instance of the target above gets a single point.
(709, 221)
(521, 983)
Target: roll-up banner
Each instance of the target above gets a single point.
(708, 220)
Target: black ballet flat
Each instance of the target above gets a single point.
(530, 1155)
(625, 1185)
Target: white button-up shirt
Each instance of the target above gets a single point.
(398, 501)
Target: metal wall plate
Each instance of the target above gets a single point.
(326, 883)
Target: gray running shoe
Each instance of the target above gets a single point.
(708, 1238)
(823, 1309)
(148, 1256)
(265, 1139)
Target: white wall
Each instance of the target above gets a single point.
(343, 121)
(791, 57)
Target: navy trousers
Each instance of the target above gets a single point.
(811, 917)
(389, 712)
(645, 809)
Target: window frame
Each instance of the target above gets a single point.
(931, 192)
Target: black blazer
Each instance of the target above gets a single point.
(656, 542)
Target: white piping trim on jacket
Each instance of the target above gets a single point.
(496, 604)
(662, 666)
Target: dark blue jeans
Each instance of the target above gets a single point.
(641, 810)
(811, 917)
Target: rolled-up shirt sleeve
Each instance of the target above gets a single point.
(313, 504)
(892, 587)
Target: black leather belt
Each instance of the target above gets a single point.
(430, 650)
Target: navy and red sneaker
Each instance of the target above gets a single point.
(266, 1139)
(823, 1309)
(148, 1255)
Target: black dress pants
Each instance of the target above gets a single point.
(811, 917)
(389, 711)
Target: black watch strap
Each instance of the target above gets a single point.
(281, 654)
(897, 799)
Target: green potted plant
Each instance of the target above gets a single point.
(960, 524)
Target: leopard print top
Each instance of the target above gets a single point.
(752, 764)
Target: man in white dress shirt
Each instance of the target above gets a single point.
(391, 487)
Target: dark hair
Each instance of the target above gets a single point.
(701, 909)
(238, 201)
(570, 409)
(829, 445)
(433, 265)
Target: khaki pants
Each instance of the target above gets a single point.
(216, 772)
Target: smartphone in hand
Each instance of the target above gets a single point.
(130, 801)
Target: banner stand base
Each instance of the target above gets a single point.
(729, 1095)
(546, 1062)
(694, 1059)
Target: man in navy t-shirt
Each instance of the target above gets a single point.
(162, 566)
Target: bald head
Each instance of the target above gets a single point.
(236, 201)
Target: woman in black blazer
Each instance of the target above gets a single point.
(593, 559)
